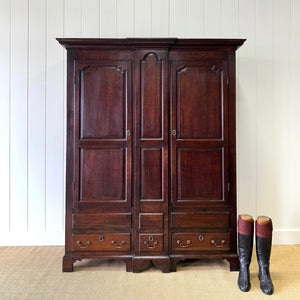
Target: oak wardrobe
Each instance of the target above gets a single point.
(151, 151)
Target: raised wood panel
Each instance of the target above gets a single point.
(151, 96)
(151, 173)
(103, 100)
(151, 221)
(199, 102)
(199, 174)
(102, 221)
(103, 174)
(196, 220)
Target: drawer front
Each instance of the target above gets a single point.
(151, 242)
(102, 221)
(200, 241)
(151, 220)
(189, 220)
(118, 242)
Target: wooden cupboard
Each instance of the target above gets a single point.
(151, 151)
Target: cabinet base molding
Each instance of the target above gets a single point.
(67, 265)
(142, 263)
(166, 264)
(69, 260)
(231, 258)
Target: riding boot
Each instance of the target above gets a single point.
(245, 245)
(264, 228)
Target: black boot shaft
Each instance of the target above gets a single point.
(263, 252)
(245, 245)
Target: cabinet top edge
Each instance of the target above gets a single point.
(131, 43)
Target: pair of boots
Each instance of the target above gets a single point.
(263, 233)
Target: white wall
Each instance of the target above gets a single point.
(33, 98)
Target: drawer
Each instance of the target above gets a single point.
(151, 242)
(151, 220)
(102, 221)
(188, 220)
(118, 242)
(200, 241)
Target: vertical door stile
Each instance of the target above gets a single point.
(151, 149)
(136, 150)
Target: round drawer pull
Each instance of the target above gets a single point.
(81, 245)
(182, 245)
(218, 245)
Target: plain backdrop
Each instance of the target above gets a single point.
(33, 100)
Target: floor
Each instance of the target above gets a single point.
(35, 273)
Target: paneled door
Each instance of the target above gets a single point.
(103, 128)
(199, 133)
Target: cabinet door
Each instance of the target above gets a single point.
(199, 136)
(103, 128)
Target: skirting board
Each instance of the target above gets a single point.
(43, 238)
(286, 237)
(57, 238)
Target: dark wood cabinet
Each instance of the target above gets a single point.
(151, 171)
